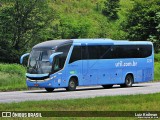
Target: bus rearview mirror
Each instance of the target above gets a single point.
(23, 56)
(53, 55)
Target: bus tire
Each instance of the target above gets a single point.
(72, 85)
(107, 86)
(128, 81)
(49, 89)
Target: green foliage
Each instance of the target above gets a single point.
(156, 37)
(143, 21)
(156, 71)
(13, 69)
(12, 82)
(158, 21)
(71, 28)
(157, 67)
(78, 19)
(157, 57)
(12, 77)
(83, 19)
(21, 25)
(111, 8)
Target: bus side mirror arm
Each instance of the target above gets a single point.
(24, 55)
(53, 55)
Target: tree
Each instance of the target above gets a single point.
(156, 37)
(142, 21)
(111, 8)
(71, 28)
(21, 23)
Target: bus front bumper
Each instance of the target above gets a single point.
(40, 83)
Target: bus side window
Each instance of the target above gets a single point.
(76, 54)
(85, 53)
(56, 64)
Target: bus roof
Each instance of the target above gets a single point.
(109, 42)
(56, 43)
(93, 41)
(122, 42)
(52, 44)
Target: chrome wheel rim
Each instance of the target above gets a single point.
(129, 81)
(72, 84)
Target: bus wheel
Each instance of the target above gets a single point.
(72, 85)
(128, 81)
(49, 89)
(107, 86)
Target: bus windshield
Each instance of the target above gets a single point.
(39, 62)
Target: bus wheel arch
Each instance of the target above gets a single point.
(107, 86)
(49, 89)
(73, 83)
(129, 80)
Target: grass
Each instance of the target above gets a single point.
(157, 67)
(149, 102)
(157, 71)
(12, 77)
(157, 57)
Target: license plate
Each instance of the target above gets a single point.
(36, 85)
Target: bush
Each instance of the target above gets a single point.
(157, 57)
(13, 69)
(111, 9)
(143, 22)
(12, 77)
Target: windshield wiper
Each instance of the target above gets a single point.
(37, 65)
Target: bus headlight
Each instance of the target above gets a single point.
(50, 78)
(47, 79)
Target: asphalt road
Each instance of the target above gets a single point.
(81, 92)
